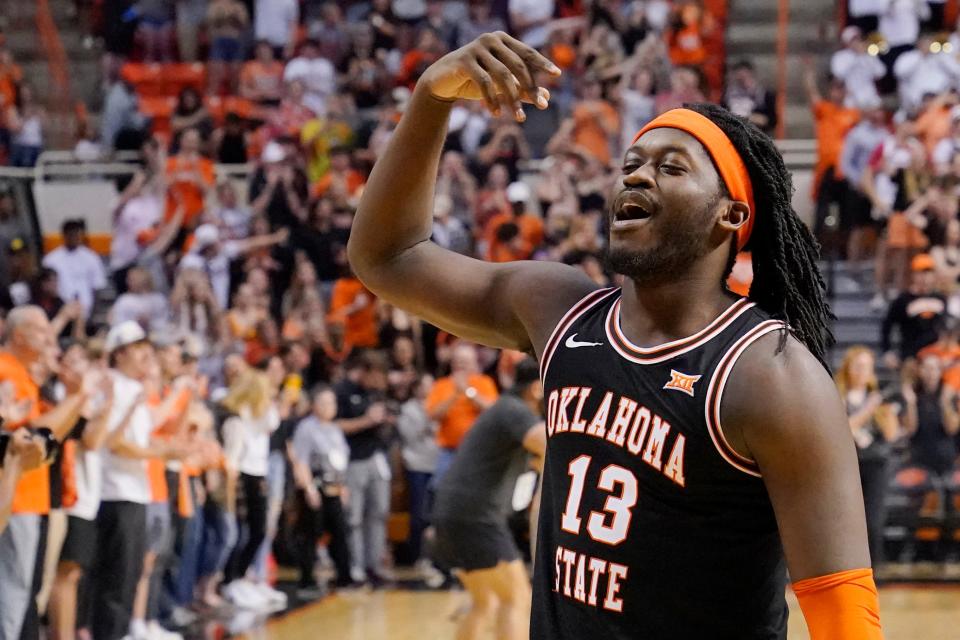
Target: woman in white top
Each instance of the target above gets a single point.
(246, 436)
(25, 120)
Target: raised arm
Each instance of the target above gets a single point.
(810, 83)
(507, 305)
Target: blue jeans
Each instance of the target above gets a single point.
(189, 569)
(182, 573)
(219, 539)
(443, 464)
(419, 484)
(276, 486)
(226, 50)
(22, 155)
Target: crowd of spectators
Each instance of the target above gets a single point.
(886, 194)
(222, 392)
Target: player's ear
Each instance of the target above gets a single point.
(734, 215)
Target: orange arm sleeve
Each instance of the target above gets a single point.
(841, 606)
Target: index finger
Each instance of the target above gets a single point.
(531, 56)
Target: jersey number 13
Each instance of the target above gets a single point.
(611, 525)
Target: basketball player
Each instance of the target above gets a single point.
(696, 446)
(476, 540)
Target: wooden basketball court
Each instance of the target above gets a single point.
(909, 613)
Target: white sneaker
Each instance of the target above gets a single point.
(878, 302)
(271, 595)
(430, 575)
(182, 617)
(242, 594)
(255, 594)
(156, 632)
(139, 631)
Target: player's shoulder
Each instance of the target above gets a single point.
(541, 293)
(778, 361)
(777, 382)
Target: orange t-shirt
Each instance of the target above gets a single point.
(947, 355)
(531, 232)
(832, 122)
(190, 193)
(686, 46)
(361, 325)
(10, 77)
(951, 377)
(588, 132)
(32, 494)
(463, 412)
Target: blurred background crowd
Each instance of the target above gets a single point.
(213, 392)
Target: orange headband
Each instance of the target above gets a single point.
(728, 161)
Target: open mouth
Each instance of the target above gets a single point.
(631, 211)
(632, 206)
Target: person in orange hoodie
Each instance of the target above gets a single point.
(529, 228)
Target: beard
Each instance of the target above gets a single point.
(681, 243)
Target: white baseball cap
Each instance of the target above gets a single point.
(518, 192)
(273, 152)
(124, 334)
(205, 235)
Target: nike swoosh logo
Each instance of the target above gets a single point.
(571, 343)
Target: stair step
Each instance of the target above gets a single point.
(761, 11)
(856, 309)
(746, 32)
(850, 331)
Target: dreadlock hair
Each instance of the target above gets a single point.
(787, 283)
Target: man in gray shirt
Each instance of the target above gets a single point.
(473, 503)
(320, 456)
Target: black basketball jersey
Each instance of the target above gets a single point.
(651, 526)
